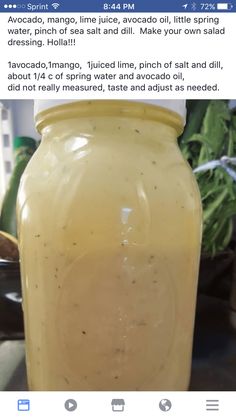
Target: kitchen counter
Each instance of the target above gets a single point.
(12, 365)
(214, 352)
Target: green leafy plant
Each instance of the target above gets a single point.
(210, 134)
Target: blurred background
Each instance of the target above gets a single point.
(209, 145)
(16, 119)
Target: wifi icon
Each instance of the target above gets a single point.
(55, 5)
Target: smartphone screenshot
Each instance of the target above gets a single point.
(117, 209)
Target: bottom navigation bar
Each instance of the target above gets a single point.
(133, 405)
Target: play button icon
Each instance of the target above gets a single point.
(70, 405)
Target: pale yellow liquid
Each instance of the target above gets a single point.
(110, 231)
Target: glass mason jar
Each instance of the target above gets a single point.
(109, 231)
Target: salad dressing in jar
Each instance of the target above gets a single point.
(109, 226)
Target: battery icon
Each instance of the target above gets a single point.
(224, 6)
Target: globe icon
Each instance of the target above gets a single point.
(165, 405)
